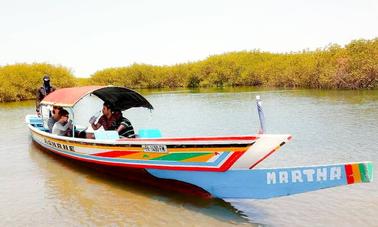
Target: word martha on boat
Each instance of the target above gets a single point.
(221, 166)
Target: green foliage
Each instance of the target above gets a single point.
(351, 67)
(21, 81)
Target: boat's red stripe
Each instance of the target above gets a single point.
(235, 156)
(113, 154)
(276, 148)
(266, 155)
(263, 158)
(349, 173)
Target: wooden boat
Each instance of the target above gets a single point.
(223, 166)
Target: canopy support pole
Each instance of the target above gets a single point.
(261, 114)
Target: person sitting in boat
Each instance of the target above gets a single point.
(54, 117)
(63, 127)
(44, 90)
(113, 120)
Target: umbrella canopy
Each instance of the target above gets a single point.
(122, 98)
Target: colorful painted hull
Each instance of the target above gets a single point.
(269, 183)
(217, 154)
(223, 166)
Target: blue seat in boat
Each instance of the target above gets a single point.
(35, 122)
(149, 133)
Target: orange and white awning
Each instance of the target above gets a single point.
(121, 97)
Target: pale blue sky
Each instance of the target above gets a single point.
(90, 35)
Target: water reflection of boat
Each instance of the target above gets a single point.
(87, 187)
(223, 166)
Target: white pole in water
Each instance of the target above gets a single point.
(261, 114)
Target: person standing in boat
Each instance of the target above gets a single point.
(44, 90)
(113, 120)
(63, 127)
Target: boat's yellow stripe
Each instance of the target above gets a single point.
(143, 155)
(356, 173)
(208, 149)
(140, 149)
(78, 144)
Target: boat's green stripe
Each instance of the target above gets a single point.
(179, 156)
(363, 172)
(366, 171)
(370, 171)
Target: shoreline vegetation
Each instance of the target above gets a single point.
(354, 66)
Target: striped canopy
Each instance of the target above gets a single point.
(122, 98)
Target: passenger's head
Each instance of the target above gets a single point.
(107, 108)
(55, 112)
(63, 115)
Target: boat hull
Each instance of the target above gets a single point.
(269, 183)
(217, 154)
(221, 166)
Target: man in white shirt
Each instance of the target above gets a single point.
(63, 127)
(54, 117)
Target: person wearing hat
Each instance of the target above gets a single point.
(44, 90)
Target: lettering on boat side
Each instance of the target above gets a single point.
(60, 146)
(303, 175)
(158, 148)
